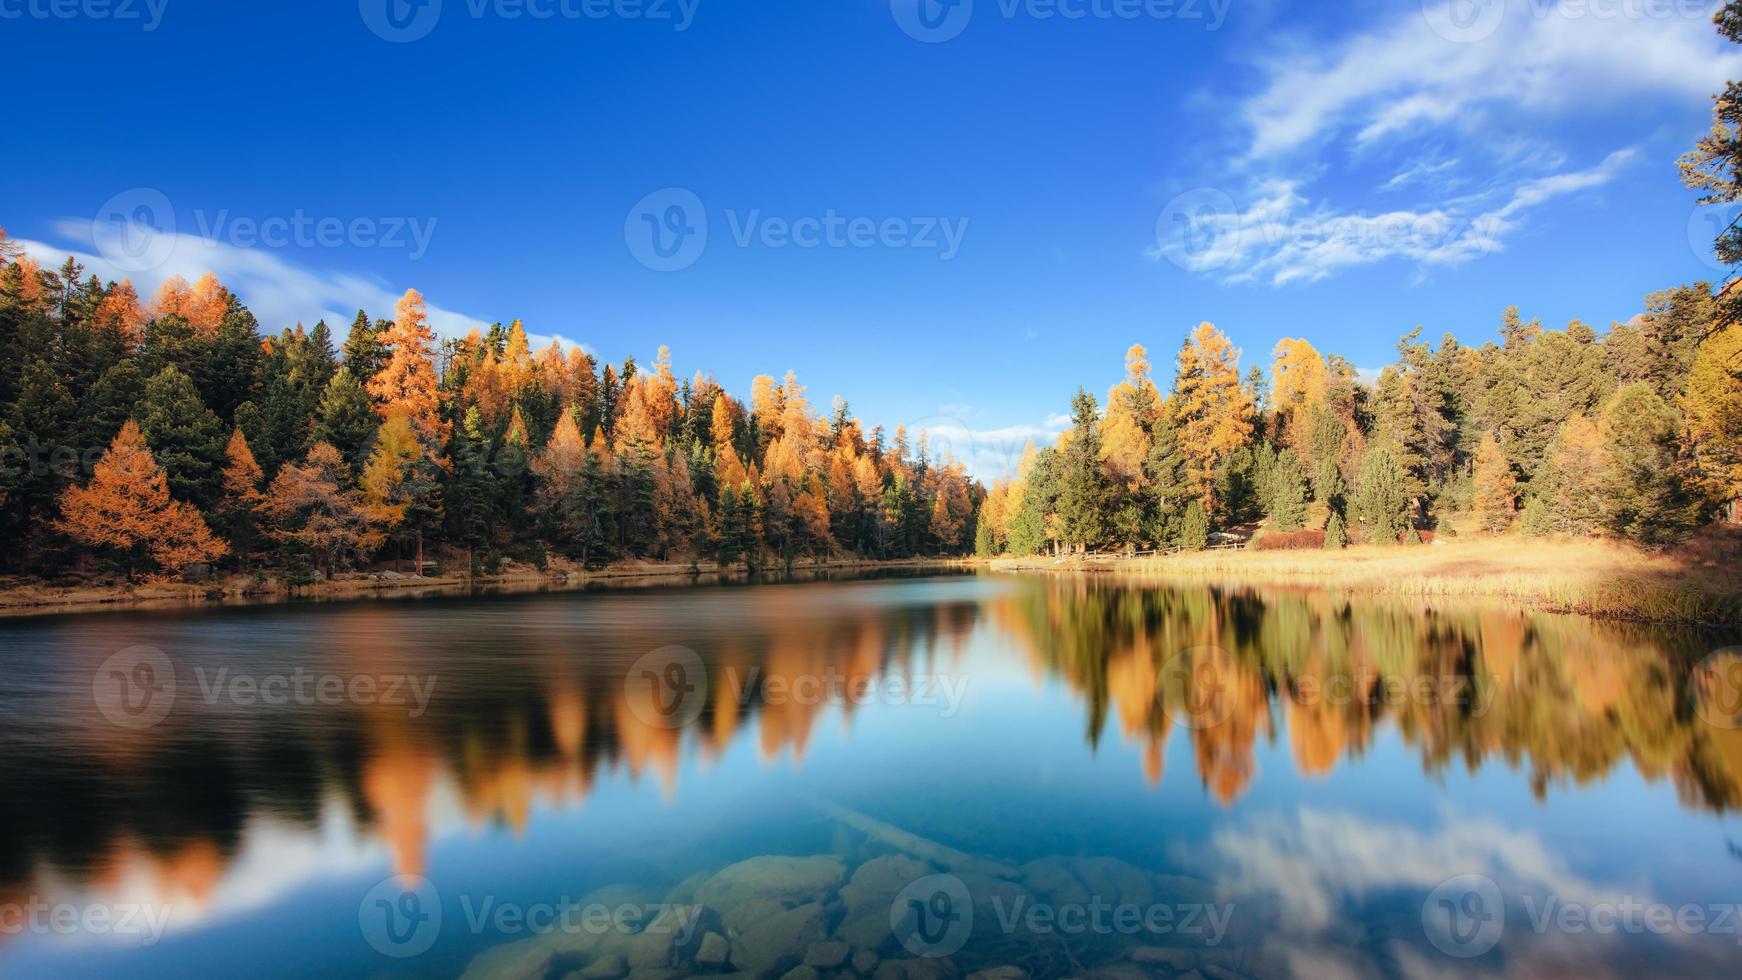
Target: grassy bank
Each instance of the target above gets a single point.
(29, 597)
(1697, 584)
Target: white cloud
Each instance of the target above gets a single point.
(1282, 238)
(1322, 860)
(1418, 174)
(278, 292)
(988, 454)
(1539, 59)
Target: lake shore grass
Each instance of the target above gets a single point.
(22, 597)
(1696, 584)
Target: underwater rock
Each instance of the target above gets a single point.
(776, 944)
(672, 938)
(923, 969)
(741, 917)
(826, 955)
(794, 880)
(1053, 881)
(864, 961)
(684, 892)
(868, 895)
(528, 959)
(801, 973)
(713, 952)
(1115, 881)
(1176, 959)
(607, 967)
(1000, 973)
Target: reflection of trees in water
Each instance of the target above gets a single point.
(540, 725)
(1567, 699)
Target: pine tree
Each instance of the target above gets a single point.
(1537, 521)
(1287, 493)
(1082, 490)
(127, 507)
(346, 420)
(1382, 501)
(1642, 489)
(1336, 534)
(364, 353)
(184, 435)
(1194, 527)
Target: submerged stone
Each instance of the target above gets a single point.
(793, 880)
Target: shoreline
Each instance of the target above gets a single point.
(22, 599)
(1597, 579)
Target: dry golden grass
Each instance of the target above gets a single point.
(1697, 584)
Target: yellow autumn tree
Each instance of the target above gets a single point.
(1712, 407)
(1299, 381)
(1496, 494)
(1132, 405)
(126, 506)
(1212, 409)
(406, 384)
(1575, 476)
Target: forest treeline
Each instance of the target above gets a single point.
(1636, 433)
(171, 435)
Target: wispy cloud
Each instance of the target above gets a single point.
(279, 293)
(1537, 59)
(1283, 238)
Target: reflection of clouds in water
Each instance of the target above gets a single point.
(1324, 859)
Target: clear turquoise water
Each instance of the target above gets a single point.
(1348, 789)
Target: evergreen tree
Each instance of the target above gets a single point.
(1194, 527)
(1083, 497)
(364, 353)
(1642, 489)
(185, 436)
(346, 419)
(1287, 493)
(1336, 534)
(1382, 502)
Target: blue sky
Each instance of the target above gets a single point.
(1003, 197)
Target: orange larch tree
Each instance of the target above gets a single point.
(126, 506)
(407, 382)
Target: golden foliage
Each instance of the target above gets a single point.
(127, 504)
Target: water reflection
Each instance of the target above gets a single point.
(231, 803)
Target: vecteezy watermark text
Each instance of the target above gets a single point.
(403, 21)
(148, 14)
(936, 21)
(667, 231)
(36, 916)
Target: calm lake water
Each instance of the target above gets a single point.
(891, 777)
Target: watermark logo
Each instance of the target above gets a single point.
(1465, 916)
(135, 229)
(1717, 688)
(401, 917)
(932, 21)
(1196, 677)
(1708, 223)
(933, 917)
(667, 231)
(1192, 230)
(667, 688)
(135, 687)
(400, 21)
(1464, 21)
